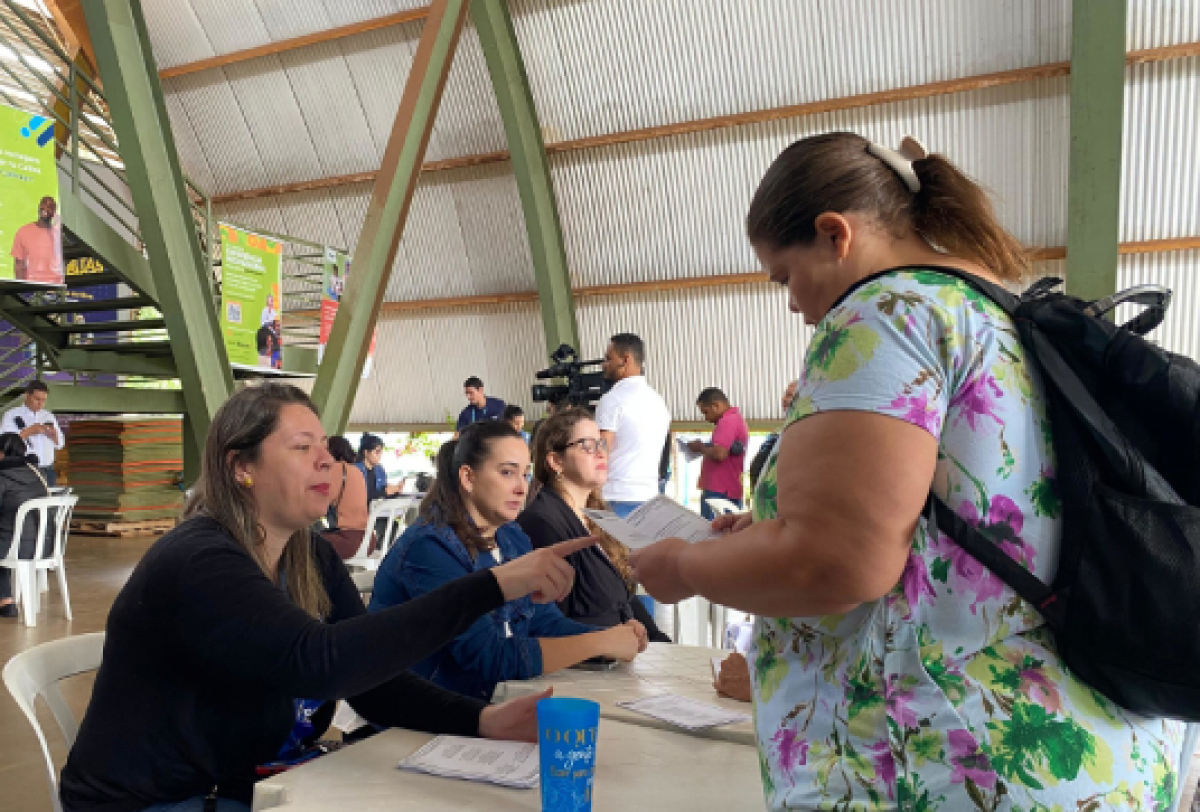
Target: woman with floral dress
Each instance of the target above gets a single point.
(891, 669)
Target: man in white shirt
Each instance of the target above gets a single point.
(37, 427)
(634, 421)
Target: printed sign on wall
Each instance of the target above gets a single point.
(252, 298)
(333, 284)
(30, 227)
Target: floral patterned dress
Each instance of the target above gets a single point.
(948, 693)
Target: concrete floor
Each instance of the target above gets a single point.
(97, 568)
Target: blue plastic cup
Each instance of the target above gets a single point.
(567, 747)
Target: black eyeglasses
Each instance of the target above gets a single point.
(589, 445)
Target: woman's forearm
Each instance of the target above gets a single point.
(773, 570)
(563, 652)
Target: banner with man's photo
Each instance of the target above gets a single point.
(333, 285)
(30, 227)
(252, 298)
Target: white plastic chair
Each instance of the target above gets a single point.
(26, 589)
(364, 580)
(36, 672)
(393, 511)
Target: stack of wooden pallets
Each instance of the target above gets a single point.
(126, 473)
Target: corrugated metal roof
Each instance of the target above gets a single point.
(615, 65)
(675, 207)
(1156, 23)
(465, 234)
(1160, 170)
(183, 32)
(740, 338)
(424, 358)
(1179, 271)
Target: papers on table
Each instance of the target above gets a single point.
(688, 454)
(683, 712)
(717, 662)
(509, 764)
(660, 518)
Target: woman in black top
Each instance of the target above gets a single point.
(570, 461)
(238, 618)
(20, 481)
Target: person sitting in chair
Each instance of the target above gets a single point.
(20, 481)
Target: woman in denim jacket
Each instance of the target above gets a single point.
(467, 524)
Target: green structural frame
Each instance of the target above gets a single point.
(1097, 117)
(510, 81)
(181, 284)
(339, 374)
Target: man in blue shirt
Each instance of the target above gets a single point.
(479, 406)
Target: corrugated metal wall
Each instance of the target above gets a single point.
(422, 360)
(667, 208)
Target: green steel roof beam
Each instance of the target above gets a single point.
(350, 339)
(532, 169)
(1094, 181)
(127, 68)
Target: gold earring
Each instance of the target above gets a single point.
(246, 481)
(558, 475)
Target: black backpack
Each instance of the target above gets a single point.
(1125, 416)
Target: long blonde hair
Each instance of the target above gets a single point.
(236, 434)
(552, 436)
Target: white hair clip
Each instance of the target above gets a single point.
(901, 160)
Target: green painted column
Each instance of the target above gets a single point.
(350, 339)
(147, 146)
(1097, 107)
(511, 83)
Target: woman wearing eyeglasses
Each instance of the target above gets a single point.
(466, 525)
(570, 461)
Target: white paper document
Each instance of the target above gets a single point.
(688, 454)
(509, 764)
(683, 712)
(660, 518)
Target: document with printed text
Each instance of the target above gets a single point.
(660, 518)
(509, 764)
(683, 712)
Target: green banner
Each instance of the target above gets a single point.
(252, 298)
(30, 228)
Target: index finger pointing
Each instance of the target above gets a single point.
(566, 548)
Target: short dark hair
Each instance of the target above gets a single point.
(11, 445)
(473, 382)
(341, 449)
(630, 343)
(368, 443)
(36, 386)
(512, 410)
(710, 396)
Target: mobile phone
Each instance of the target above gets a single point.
(596, 664)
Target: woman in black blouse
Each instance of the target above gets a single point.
(238, 624)
(570, 461)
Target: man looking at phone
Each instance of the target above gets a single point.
(725, 454)
(37, 427)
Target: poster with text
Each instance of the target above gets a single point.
(30, 226)
(252, 298)
(333, 284)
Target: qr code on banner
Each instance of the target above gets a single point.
(233, 312)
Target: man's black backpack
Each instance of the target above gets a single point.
(1125, 417)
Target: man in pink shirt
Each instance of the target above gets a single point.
(725, 454)
(35, 248)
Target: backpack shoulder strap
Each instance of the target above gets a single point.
(988, 553)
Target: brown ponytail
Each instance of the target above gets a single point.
(835, 172)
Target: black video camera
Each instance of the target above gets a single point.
(581, 389)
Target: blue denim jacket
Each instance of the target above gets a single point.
(424, 558)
